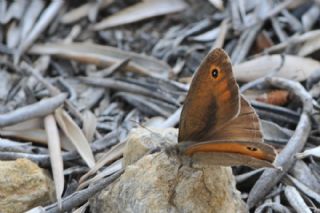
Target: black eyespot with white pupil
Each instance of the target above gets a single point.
(215, 73)
(254, 149)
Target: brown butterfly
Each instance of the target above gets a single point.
(218, 121)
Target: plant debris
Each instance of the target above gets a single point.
(81, 74)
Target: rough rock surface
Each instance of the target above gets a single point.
(141, 141)
(23, 185)
(166, 183)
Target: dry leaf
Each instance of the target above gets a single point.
(82, 208)
(75, 135)
(38, 209)
(263, 41)
(273, 133)
(15, 11)
(35, 123)
(113, 154)
(55, 155)
(30, 135)
(34, 9)
(13, 35)
(275, 97)
(310, 152)
(113, 168)
(210, 35)
(309, 47)
(80, 12)
(102, 55)
(43, 21)
(217, 3)
(90, 124)
(140, 11)
(35, 135)
(224, 27)
(293, 67)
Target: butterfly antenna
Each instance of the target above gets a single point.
(141, 125)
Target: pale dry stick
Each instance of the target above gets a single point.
(81, 209)
(74, 33)
(278, 30)
(305, 189)
(111, 69)
(273, 12)
(275, 206)
(71, 91)
(263, 106)
(104, 55)
(114, 153)
(111, 169)
(52, 89)
(276, 117)
(82, 196)
(260, 81)
(107, 141)
(40, 26)
(243, 177)
(302, 172)
(292, 20)
(245, 43)
(22, 148)
(32, 13)
(295, 39)
(235, 16)
(275, 192)
(137, 100)
(286, 158)
(172, 120)
(127, 87)
(276, 109)
(186, 32)
(295, 200)
(39, 109)
(82, 11)
(224, 27)
(43, 160)
(237, 48)
(310, 17)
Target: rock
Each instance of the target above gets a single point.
(166, 183)
(23, 185)
(141, 141)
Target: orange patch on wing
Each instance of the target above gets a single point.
(222, 86)
(229, 148)
(225, 97)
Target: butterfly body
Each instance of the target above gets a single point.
(217, 119)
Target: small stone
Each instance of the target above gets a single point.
(166, 183)
(23, 185)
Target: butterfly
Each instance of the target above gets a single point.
(218, 122)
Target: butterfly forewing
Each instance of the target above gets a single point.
(213, 99)
(245, 127)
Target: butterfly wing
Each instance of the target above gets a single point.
(245, 127)
(242, 136)
(213, 99)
